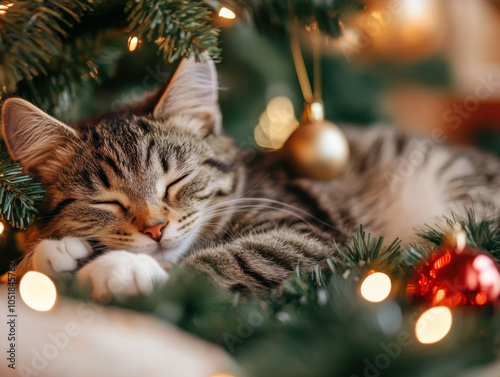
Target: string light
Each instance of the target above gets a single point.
(376, 287)
(481, 298)
(4, 7)
(38, 291)
(433, 325)
(2, 227)
(227, 13)
(133, 41)
(276, 123)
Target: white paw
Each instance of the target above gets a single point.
(120, 274)
(54, 257)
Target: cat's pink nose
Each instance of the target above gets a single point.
(155, 232)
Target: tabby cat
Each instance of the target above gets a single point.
(129, 191)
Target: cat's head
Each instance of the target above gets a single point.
(147, 184)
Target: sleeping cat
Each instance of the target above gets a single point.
(129, 191)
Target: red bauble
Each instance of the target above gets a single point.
(457, 276)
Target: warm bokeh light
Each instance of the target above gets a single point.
(4, 7)
(276, 124)
(38, 291)
(439, 296)
(227, 13)
(376, 287)
(2, 227)
(132, 43)
(442, 261)
(433, 325)
(481, 298)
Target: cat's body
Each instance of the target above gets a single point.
(170, 187)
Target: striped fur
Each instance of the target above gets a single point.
(241, 217)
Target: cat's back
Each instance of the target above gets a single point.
(394, 181)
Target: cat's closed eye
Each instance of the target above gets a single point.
(173, 183)
(115, 203)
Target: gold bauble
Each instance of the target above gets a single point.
(396, 30)
(317, 149)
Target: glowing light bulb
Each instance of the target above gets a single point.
(433, 325)
(276, 123)
(227, 13)
(4, 7)
(2, 227)
(376, 287)
(481, 298)
(38, 291)
(132, 43)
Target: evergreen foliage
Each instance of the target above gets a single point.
(178, 27)
(19, 195)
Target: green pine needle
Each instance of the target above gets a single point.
(32, 32)
(19, 195)
(366, 251)
(484, 233)
(273, 17)
(179, 28)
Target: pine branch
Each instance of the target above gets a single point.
(484, 233)
(178, 27)
(19, 195)
(365, 251)
(32, 32)
(81, 65)
(273, 17)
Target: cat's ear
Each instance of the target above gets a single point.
(193, 91)
(40, 143)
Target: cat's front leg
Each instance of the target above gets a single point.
(262, 260)
(56, 257)
(121, 274)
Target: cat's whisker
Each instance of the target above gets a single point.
(277, 202)
(246, 207)
(272, 201)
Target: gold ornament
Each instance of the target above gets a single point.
(317, 148)
(402, 30)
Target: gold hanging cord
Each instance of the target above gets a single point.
(298, 60)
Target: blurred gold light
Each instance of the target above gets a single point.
(433, 325)
(38, 291)
(376, 287)
(227, 13)
(276, 124)
(4, 7)
(2, 227)
(132, 43)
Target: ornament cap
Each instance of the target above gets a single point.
(313, 112)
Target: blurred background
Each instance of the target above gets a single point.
(422, 65)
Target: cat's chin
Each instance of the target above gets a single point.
(168, 252)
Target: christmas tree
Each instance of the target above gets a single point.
(70, 57)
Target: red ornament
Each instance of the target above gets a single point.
(457, 275)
